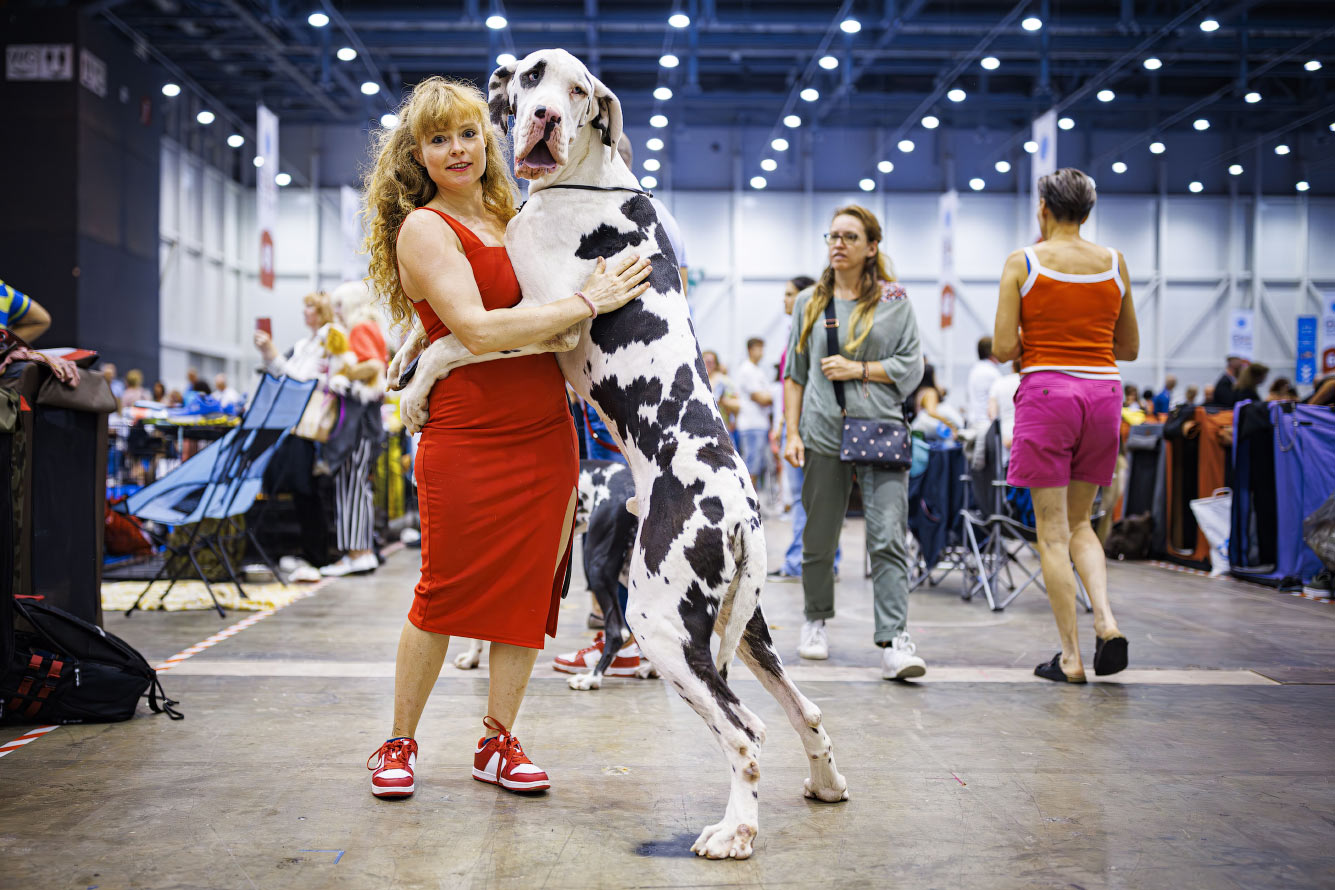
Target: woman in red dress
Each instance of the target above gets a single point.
(497, 465)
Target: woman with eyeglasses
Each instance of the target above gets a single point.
(880, 363)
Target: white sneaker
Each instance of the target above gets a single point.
(291, 563)
(304, 574)
(898, 661)
(349, 566)
(814, 643)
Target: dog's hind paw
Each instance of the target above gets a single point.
(646, 671)
(833, 791)
(466, 661)
(585, 682)
(725, 841)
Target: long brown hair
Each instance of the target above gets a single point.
(397, 183)
(876, 269)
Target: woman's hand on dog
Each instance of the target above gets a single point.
(611, 290)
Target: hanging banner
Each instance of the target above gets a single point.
(1305, 368)
(266, 190)
(1328, 335)
(1042, 162)
(948, 209)
(1242, 333)
(355, 263)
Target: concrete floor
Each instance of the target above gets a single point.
(1207, 766)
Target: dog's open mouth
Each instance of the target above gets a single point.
(539, 158)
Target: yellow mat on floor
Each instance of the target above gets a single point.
(190, 595)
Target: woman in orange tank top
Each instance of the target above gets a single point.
(497, 465)
(1065, 315)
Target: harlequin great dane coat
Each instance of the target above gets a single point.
(699, 558)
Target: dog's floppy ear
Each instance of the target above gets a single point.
(498, 97)
(609, 112)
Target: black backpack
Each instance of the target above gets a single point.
(65, 670)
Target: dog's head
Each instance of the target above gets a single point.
(553, 98)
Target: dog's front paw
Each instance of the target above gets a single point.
(414, 406)
(466, 661)
(646, 671)
(725, 841)
(832, 789)
(585, 682)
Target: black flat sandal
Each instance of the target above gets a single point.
(1052, 670)
(1110, 656)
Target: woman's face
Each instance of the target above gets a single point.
(454, 158)
(711, 363)
(848, 245)
(311, 316)
(789, 297)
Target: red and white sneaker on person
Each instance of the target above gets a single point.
(392, 768)
(502, 761)
(626, 663)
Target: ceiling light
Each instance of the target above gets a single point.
(1209, 25)
(1196, 188)
(1235, 169)
(496, 22)
(1156, 148)
(679, 20)
(317, 20)
(370, 88)
(1332, 127)
(810, 94)
(236, 140)
(1106, 95)
(931, 122)
(792, 121)
(663, 94)
(1281, 149)
(654, 144)
(1302, 185)
(779, 144)
(283, 179)
(991, 63)
(758, 182)
(956, 95)
(1002, 166)
(1152, 64)
(769, 165)
(867, 185)
(886, 167)
(658, 121)
(977, 184)
(850, 26)
(389, 120)
(171, 90)
(346, 54)
(651, 164)
(667, 60)
(205, 117)
(506, 59)
(258, 161)
(1312, 65)
(829, 63)
(1252, 98)
(1030, 146)
(1066, 123)
(906, 145)
(1201, 124)
(649, 182)
(1118, 167)
(1032, 23)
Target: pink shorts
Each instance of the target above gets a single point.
(1065, 428)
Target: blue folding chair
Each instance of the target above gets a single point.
(222, 482)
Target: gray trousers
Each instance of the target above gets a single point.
(826, 485)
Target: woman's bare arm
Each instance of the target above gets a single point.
(1126, 335)
(1006, 331)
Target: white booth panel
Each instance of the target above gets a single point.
(1196, 238)
(1280, 228)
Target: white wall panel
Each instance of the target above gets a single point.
(1321, 239)
(1196, 242)
(1280, 228)
(1128, 225)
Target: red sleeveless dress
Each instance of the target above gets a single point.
(496, 466)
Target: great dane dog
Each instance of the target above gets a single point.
(699, 559)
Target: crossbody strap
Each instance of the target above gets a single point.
(832, 348)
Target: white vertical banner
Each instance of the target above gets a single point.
(1042, 162)
(1242, 333)
(947, 210)
(355, 263)
(266, 190)
(1326, 341)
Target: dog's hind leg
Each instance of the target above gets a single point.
(466, 661)
(758, 652)
(674, 631)
(615, 635)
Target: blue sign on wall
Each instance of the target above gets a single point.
(1305, 372)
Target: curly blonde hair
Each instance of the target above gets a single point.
(876, 269)
(397, 183)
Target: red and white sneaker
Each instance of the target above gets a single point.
(392, 768)
(501, 761)
(626, 663)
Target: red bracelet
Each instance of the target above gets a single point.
(587, 302)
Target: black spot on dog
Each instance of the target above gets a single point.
(758, 642)
(664, 276)
(714, 457)
(755, 794)
(706, 555)
(639, 210)
(678, 394)
(498, 108)
(533, 76)
(671, 504)
(698, 610)
(712, 508)
(632, 323)
(606, 241)
(621, 405)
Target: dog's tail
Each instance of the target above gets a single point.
(744, 592)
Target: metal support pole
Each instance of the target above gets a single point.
(315, 217)
(1160, 249)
